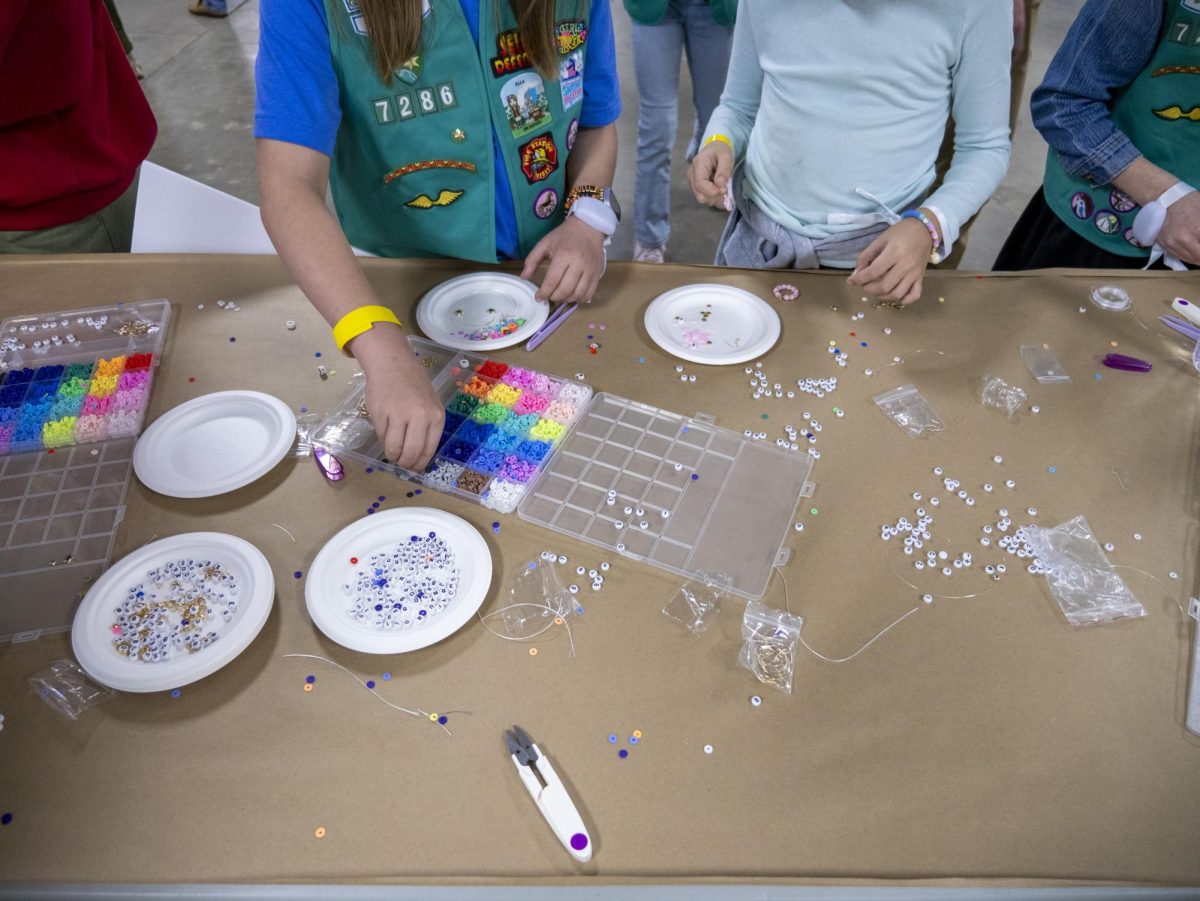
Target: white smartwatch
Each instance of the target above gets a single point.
(1150, 218)
(596, 213)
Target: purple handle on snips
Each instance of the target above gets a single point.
(1126, 363)
(330, 466)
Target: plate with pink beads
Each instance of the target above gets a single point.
(482, 311)
(717, 325)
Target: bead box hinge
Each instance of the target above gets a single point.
(783, 556)
(1194, 609)
(809, 489)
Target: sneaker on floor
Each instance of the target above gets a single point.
(137, 69)
(644, 254)
(203, 8)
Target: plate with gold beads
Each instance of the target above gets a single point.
(173, 611)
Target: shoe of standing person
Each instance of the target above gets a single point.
(643, 254)
(137, 69)
(213, 8)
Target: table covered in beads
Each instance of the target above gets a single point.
(982, 738)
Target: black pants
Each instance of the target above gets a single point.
(1040, 240)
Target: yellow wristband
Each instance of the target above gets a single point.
(724, 139)
(358, 321)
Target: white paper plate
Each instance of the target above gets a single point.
(214, 444)
(712, 324)
(92, 637)
(328, 602)
(464, 311)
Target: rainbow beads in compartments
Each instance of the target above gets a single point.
(78, 376)
(502, 423)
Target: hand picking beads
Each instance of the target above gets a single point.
(403, 587)
(171, 611)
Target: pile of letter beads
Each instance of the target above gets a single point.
(502, 424)
(173, 610)
(405, 586)
(58, 405)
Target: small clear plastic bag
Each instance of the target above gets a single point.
(537, 596)
(1043, 365)
(769, 648)
(696, 603)
(67, 689)
(909, 409)
(1000, 395)
(1079, 575)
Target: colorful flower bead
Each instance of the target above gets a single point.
(505, 395)
(543, 384)
(517, 377)
(530, 403)
(547, 430)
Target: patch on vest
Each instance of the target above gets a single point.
(525, 104)
(1121, 202)
(424, 202)
(1175, 70)
(1082, 206)
(1108, 222)
(570, 35)
(1175, 113)
(1193, 5)
(546, 203)
(570, 78)
(539, 158)
(421, 166)
(511, 55)
(572, 133)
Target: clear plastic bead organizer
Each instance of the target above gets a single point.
(58, 516)
(676, 492)
(78, 376)
(503, 424)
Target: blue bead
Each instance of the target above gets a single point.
(442, 720)
(387, 676)
(370, 683)
(612, 739)
(622, 753)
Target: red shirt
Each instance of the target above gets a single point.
(74, 123)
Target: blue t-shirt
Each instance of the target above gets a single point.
(298, 100)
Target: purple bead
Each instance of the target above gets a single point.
(579, 841)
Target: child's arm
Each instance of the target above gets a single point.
(292, 180)
(733, 118)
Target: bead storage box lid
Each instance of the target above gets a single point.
(78, 376)
(673, 491)
(503, 425)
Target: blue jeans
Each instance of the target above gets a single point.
(657, 49)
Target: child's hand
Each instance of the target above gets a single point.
(893, 266)
(576, 254)
(407, 415)
(1180, 235)
(710, 172)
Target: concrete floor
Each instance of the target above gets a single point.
(200, 81)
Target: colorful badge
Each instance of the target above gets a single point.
(359, 24)
(546, 204)
(1177, 113)
(539, 158)
(1132, 240)
(1082, 206)
(572, 133)
(424, 201)
(410, 69)
(1120, 201)
(1108, 222)
(351, 6)
(1193, 5)
(526, 104)
(570, 78)
(510, 54)
(570, 35)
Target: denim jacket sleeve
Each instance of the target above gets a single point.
(1109, 44)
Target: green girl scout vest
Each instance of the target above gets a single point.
(1160, 112)
(412, 170)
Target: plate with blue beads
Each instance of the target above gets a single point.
(173, 612)
(399, 580)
